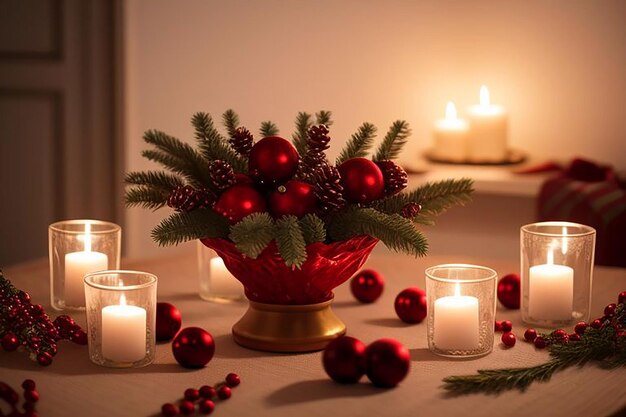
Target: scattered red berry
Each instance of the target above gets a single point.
(530, 335)
(169, 410)
(186, 407)
(574, 337)
(208, 392)
(497, 326)
(609, 310)
(508, 339)
(206, 406)
(191, 394)
(31, 396)
(540, 342)
(580, 327)
(559, 333)
(29, 385)
(44, 359)
(621, 298)
(224, 392)
(596, 324)
(507, 326)
(232, 380)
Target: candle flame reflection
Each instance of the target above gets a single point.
(122, 300)
(451, 111)
(484, 96)
(564, 245)
(550, 255)
(457, 290)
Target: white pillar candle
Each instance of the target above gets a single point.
(456, 322)
(79, 264)
(123, 332)
(487, 140)
(222, 281)
(450, 136)
(550, 290)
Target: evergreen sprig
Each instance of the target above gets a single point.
(252, 234)
(290, 241)
(300, 136)
(145, 196)
(213, 145)
(324, 117)
(268, 128)
(602, 345)
(154, 179)
(359, 144)
(393, 142)
(231, 122)
(185, 226)
(313, 229)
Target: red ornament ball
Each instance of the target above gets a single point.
(32, 396)
(362, 180)
(540, 342)
(609, 310)
(273, 160)
(168, 321)
(242, 179)
(207, 391)
(387, 362)
(367, 285)
(580, 327)
(206, 406)
(530, 335)
(621, 298)
(29, 385)
(596, 324)
(509, 291)
(193, 347)
(410, 305)
(169, 410)
(10, 342)
(295, 198)
(224, 392)
(506, 326)
(191, 394)
(508, 339)
(344, 360)
(44, 359)
(232, 380)
(239, 201)
(186, 407)
(575, 337)
(497, 326)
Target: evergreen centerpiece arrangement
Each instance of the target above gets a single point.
(288, 223)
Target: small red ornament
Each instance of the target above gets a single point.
(540, 342)
(186, 407)
(273, 160)
(295, 198)
(497, 326)
(208, 392)
(206, 406)
(560, 336)
(232, 380)
(10, 342)
(224, 392)
(193, 347)
(609, 310)
(596, 324)
(362, 180)
(530, 335)
(29, 385)
(79, 336)
(168, 321)
(580, 327)
(621, 298)
(507, 326)
(387, 362)
(238, 202)
(169, 410)
(575, 337)
(191, 394)
(410, 305)
(508, 339)
(32, 396)
(44, 359)
(367, 285)
(509, 291)
(344, 360)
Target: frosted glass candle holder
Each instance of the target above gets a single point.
(557, 272)
(76, 248)
(461, 309)
(121, 318)
(216, 283)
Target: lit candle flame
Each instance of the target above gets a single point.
(451, 111)
(87, 237)
(457, 290)
(122, 300)
(484, 96)
(564, 245)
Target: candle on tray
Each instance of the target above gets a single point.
(450, 136)
(77, 265)
(551, 289)
(123, 332)
(223, 284)
(487, 140)
(456, 322)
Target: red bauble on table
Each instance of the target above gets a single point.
(238, 202)
(362, 180)
(410, 305)
(168, 321)
(193, 347)
(367, 285)
(508, 339)
(295, 198)
(387, 362)
(509, 291)
(10, 342)
(273, 160)
(621, 298)
(344, 360)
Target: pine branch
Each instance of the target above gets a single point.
(212, 145)
(145, 196)
(396, 232)
(155, 179)
(184, 226)
(324, 117)
(268, 128)
(313, 229)
(231, 122)
(359, 144)
(299, 138)
(290, 241)
(393, 142)
(253, 233)
(434, 198)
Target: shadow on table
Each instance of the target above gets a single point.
(347, 303)
(387, 322)
(425, 355)
(319, 389)
(225, 347)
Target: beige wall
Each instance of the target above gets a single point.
(558, 66)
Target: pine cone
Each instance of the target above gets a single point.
(222, 174)
(242, 141)
(315, 157)
(394, 176)
(187, 198)
(328, 188)
(411, 210)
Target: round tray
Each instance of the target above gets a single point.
(513, 157)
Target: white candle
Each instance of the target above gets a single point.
(550, 290)
(450, 136)
(223, 284)
(77, 265)
(123, 332)
(456, 322)
(487, 140)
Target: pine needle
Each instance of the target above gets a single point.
(324, 117)
(313, 229)
(185, 226)
(213, 145)
(290, 241)
(145, 196)
(268, 128)
(231, 122)
(393, 142)
(300, 136)
(252, 234)
(359, 144)
(154, 179)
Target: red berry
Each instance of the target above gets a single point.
(10, 342)
(186, 407)
(28, 385)
(206, 406)
(580, 327)
(508, 339)
(232, 380)
(596, 324)
(191, 394)
(540, 342)
(574, 337)
(559, 334)
(44, 359)
(169, 410)
(621, 298)
(507, 326)
(609, 310)
(224, 392)
(497, 326)
(530, 335)
(31, 396)
(79, 337)
(207, 392)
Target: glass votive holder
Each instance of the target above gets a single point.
(76, 248)
(121, 318)
(216, 283)
(461, 309)
(557, 272)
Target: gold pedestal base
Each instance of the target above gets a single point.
(288, 328)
